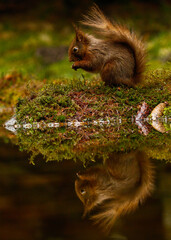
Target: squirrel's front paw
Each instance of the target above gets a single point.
(74, 66)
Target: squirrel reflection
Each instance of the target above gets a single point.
(116, 187)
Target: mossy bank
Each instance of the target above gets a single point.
(87, 100)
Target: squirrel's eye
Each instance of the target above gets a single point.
(75, 49)
(82, 191)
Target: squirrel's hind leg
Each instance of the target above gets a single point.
(113, 75)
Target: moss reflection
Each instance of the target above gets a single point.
(87, 143)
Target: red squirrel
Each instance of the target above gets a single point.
(118, 54)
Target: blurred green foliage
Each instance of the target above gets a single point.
(20, 40)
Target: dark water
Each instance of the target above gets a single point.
(128, 192)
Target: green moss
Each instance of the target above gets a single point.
(82, 100)
(167, 112)
(61, 118)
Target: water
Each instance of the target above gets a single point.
(117, 177)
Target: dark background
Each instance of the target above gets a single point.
(70, 8)
(148, 16)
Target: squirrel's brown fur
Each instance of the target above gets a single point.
(118, 55)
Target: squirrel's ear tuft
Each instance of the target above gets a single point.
(75, 27)
(80, 36)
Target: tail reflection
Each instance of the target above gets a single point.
(115, 188)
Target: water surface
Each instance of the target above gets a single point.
(122, 178)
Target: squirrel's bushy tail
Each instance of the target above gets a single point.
(118, 34)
